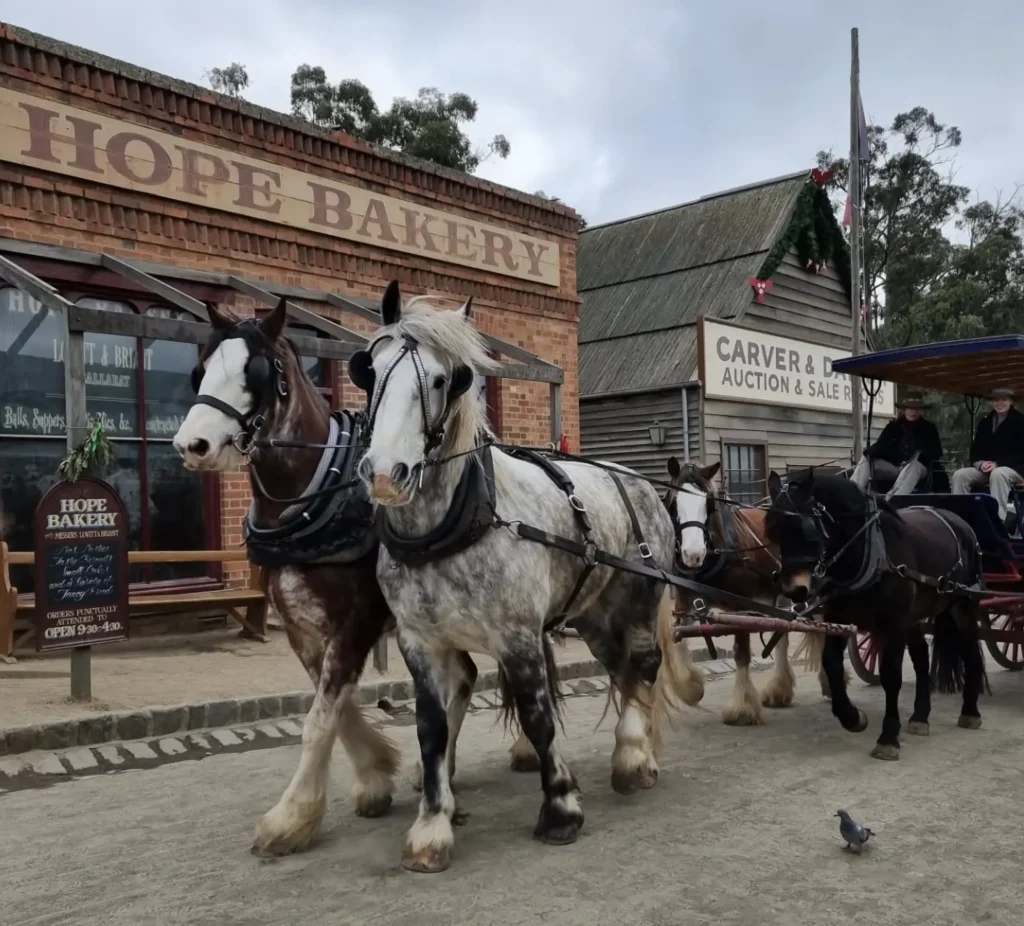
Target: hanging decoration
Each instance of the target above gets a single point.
(814, 232)
(760, 287)
(91, 457)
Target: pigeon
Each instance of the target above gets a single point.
(854, 834)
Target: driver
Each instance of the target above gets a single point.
(997, 451)
(905, 451)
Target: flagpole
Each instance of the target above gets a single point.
(855, 223)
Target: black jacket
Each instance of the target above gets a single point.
(1005, 446)
(901, 439)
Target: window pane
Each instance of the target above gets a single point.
(31, 366)
(27, 470)
(111, 375)
(744, 472)
(124, 476)
(177, 511)
(167, 377)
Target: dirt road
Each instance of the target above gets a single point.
(738, 830)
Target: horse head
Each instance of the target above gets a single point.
(240, 383)
(417, 373)
(691, 503)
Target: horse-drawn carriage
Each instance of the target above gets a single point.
(972, 368)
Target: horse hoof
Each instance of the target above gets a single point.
(886, 751)
(774, 700)
(744, 716)
(524, 762)
(374, 807)
(862, 723)
(564, 835)
(639, 779)
(918, 728)
(460, 817)
(431, 860)
(969, 723)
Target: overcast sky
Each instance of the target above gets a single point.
(615, 107)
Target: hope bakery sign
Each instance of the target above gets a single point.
(40, 133)
(748, 366)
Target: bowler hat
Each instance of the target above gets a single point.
(1002, 392)
(911, 400)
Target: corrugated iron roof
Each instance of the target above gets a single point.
(644, 281)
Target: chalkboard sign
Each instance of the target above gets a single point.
(81, 541)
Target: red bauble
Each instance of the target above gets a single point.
(821, 177)
(760, 287)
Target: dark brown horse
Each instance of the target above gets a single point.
(318, 552)
(725, 546)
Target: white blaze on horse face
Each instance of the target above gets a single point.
(204, 439)
(398, 444)
(692, 505)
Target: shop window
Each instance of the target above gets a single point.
(745, 478)
(140, 391)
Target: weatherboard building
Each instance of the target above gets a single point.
(707, 331)
(137, 196)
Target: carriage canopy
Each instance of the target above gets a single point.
(971, 367)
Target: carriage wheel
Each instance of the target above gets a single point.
(1009, 654)
(863, 650)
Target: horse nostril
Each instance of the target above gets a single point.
(199, 447)
(399, 473)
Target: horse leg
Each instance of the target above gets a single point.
(462, 675)
(891, 671)
(917, 647)
(525, 667)
(634, 765)
(293, 823)
(852, 718)
(744, 708)
(428, 845)
(975, 678)
(375, 760)
(778, 692)
(522, 756)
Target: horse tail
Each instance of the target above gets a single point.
(947, 672)
(678, 679)
(811, 647)
(506, 696)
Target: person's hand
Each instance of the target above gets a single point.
(987, 466)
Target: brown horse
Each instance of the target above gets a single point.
(313, 536)
(724, 546)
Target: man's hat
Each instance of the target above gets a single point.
(1002, 392)
(911, 400)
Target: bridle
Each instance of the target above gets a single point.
(361, 372)
(264, 375)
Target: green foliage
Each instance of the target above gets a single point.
(231, 80)
(428, 127)
(937, 269)
(89, 458)
(814, 232)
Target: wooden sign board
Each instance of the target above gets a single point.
(81, 544)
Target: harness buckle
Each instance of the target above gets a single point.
(590, 553)
(645, 551)
(901, 570)
(698, 606)
(282, 386)
(242, 441)
(578, 505)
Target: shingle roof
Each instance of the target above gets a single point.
(644, 281)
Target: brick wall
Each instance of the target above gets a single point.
(41, 207)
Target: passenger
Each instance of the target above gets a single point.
(998, 453)
(905, 451)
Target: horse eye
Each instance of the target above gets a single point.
(438, 382)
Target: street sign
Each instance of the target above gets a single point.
(81, 542)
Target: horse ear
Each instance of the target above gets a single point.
(467, 309)
(217, 318)
(709, 472)
(673, 468)
(774, 485)
(391, 304)
(273, 324)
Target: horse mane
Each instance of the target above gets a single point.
(451, 337)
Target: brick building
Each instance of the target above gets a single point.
(102, 160)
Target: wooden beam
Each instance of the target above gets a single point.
(348, 305)
(163, 290)
(42, 292)
(170, 329)
(297, 313)
(556, 413)
(534, 373)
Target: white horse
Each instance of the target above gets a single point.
(458, 573)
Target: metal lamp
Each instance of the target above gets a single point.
(657, 433)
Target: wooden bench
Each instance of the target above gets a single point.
(247, 604)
